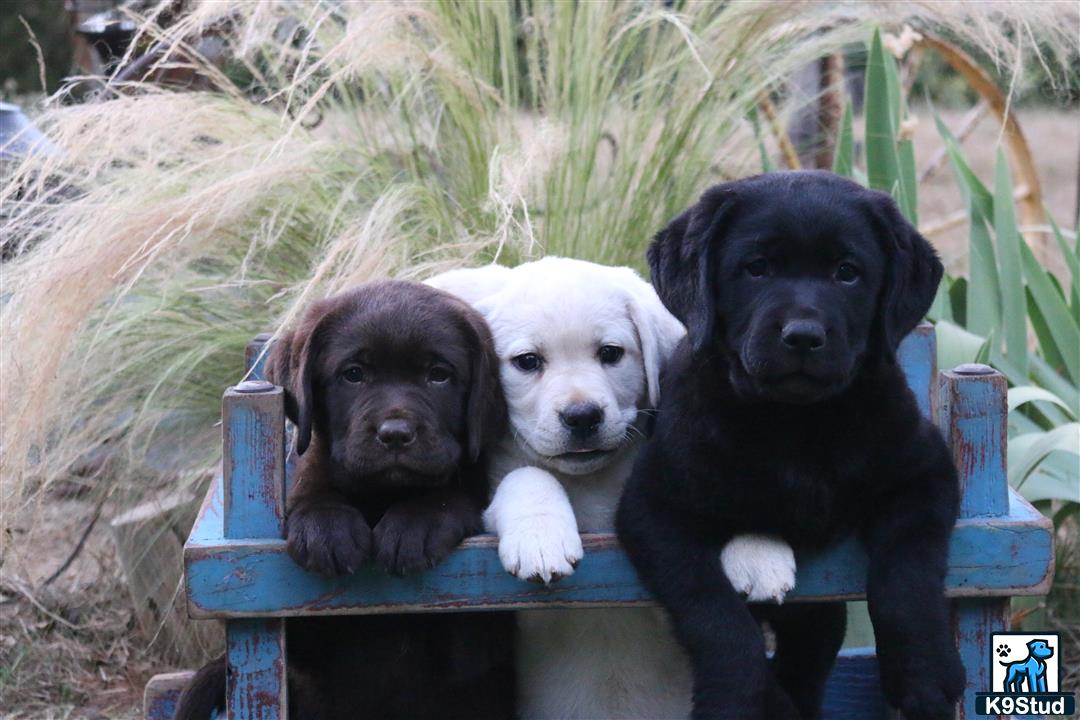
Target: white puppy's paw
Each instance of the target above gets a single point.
(540, 549)
(760, 566)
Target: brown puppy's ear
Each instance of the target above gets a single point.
(278, 371)
(680, 260)
(485, 408)
(291, 365)
(912, 274)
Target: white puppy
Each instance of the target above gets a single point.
(580, 347)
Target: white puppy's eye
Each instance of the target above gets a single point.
(527, 362)
(610, 354)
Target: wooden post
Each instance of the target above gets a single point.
(253, 428)
(973, 410)
(917, 355)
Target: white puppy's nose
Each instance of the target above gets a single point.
(582, 418)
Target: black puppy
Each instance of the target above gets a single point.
(394, 391)
(784, 412)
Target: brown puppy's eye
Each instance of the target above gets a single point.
(353, 374)
(610, 354)
(847, 273)
(438, 374)
(527, 362)
(757, 268)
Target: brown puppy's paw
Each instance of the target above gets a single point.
(329, 538)
(415, 536)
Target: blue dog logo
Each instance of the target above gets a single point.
(1030, 671)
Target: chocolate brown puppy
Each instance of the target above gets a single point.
(394, 392)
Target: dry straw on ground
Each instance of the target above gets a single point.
(346, 141)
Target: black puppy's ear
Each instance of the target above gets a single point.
(681, 263)
(485, 407)
(912, 274)
(291, 366)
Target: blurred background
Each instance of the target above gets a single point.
(178, 176)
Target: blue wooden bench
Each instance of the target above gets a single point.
(237, 569)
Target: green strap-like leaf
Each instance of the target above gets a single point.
(1049, 486)
(1071, 255)
(882, 166)
(1027, 451)
(1013, 304)
(970, 185)
(983, 301)
(844, 158)
(956, 345)
(1030, 393)
(1055, 313)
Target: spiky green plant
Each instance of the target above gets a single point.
(344, 141)
(1007, 300)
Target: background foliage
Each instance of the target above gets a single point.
(345, 141)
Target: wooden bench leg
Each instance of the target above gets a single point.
(253, 429)
(256, 687)
(972, 406)
(976, 620)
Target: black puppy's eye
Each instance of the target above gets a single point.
(847, 273)
(527, 362)
(610, 354)
(757, 268)
(353, 374)
(438, 374)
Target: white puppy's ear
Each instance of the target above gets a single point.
(659, 330)
(472, 284)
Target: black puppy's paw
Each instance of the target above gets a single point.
(412, 537)
(932, 695)
(329, 538)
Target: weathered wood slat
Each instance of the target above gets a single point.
(975, 620)
(253, 433)
(257, 688)
(161, 694)
(1004, 556)
(853, 691)
(973, 416)
(918, 358)
(253, 506)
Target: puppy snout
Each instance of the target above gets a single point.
(582, 419)
(803, 335)
(395, 433)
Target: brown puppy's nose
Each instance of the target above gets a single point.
(395, 433)
(803, 335)
(582, 419)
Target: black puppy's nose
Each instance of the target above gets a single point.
(395, 433)
(803, 335)
(582, 418)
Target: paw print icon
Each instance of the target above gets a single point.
(1003, 650)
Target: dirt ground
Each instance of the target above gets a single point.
(71, 649)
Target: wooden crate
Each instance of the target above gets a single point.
(237, 569)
